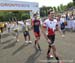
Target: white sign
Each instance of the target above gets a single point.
(18, 5)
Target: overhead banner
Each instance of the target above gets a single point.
(18, 5)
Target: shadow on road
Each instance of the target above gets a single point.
(5, 35)
(7, 41)
(9, 45)
(21, 47)
(48, 60)
(33, 57)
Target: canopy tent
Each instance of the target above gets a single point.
(32, 7)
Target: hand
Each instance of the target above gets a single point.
(49, 41)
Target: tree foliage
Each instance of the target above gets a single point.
(19, 15)
(61, 8)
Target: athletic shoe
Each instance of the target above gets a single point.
(17, 40)
(30, 42)
(26, 42)
(49, 56)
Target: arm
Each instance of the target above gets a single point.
(32, 25)
(44, 33)
(43, 29)
(58, 28)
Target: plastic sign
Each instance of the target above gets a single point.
(18, 5)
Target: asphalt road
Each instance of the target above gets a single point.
(19, 52)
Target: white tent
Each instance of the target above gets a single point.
(19, 6)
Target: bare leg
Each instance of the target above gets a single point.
(36, 42)
(29, 37)
(25, 37)
(49, 49)
(54, 53)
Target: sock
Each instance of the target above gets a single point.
(48, 52)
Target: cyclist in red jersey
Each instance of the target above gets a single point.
(51, 26)
(36, 29)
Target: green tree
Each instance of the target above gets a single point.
(58, 9)
(25, 15)
(55, 9)
(74, 2)
(44, 11)
(61, 8)
(69, 5)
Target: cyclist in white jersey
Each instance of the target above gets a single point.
(51, 26)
